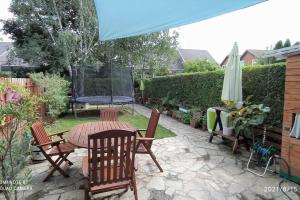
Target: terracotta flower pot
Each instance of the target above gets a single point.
(194, 123)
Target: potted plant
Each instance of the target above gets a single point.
(196, 117)
(186, 117)
(204, 122)
(247, 116)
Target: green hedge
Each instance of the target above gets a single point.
(203, 90)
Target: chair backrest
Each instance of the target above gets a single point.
(39, 134)
(152, 125)
(111, 156)
(109, 114)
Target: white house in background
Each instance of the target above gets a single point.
(189, 54)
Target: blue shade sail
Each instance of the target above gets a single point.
(125, 18)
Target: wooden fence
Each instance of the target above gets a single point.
(26, 83)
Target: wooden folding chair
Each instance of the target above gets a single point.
(60, 148)
(110, 162)
(144, 143)
(109, 114)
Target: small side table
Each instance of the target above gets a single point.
(236, 139)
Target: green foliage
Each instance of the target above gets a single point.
(287, 43)
(199, 65)
(247, 116)
(279, 45)
(6, 74)
(53, 34)
(162, 71)
(278, 64)
(169, 103)
(186, 118)
(26, 110)
(147, 52)
(203, 89)
(58, 34)
(18, 111)
(56, 92)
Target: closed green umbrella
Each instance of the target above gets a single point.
(232, 85)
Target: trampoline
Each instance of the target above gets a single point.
(102, 85)
(95, 100)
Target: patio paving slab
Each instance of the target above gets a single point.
(193, 170)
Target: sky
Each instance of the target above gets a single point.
(256, 27)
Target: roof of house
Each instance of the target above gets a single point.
(284, 52)
(192, 54)
(5, 46)
(255, 52)
(224, 61)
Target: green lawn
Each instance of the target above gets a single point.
(138, 121)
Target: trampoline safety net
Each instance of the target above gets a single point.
(103, 85)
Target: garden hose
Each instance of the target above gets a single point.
(284, 177)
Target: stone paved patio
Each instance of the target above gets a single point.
(193, 170)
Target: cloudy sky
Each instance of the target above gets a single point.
(257, 27)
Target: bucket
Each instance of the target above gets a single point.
(228, 131)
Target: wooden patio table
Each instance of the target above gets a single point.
(79, 134)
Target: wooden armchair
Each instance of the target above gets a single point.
(110, 162)
(109, 114)
(144, 143)
(59, 148)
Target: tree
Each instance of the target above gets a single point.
(56, 34)
(146, 52)
(279, 45)
(53, 34)
(199, 65)
(287, 43)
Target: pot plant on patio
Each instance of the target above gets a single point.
(196, 117)
(203, 122)
(169, 105)
(248, 116)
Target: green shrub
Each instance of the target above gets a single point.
(203, 89)
(186, 118)
(199, 65)
(162, 71)
(6, 74)
(16, 115)
(56, 92)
